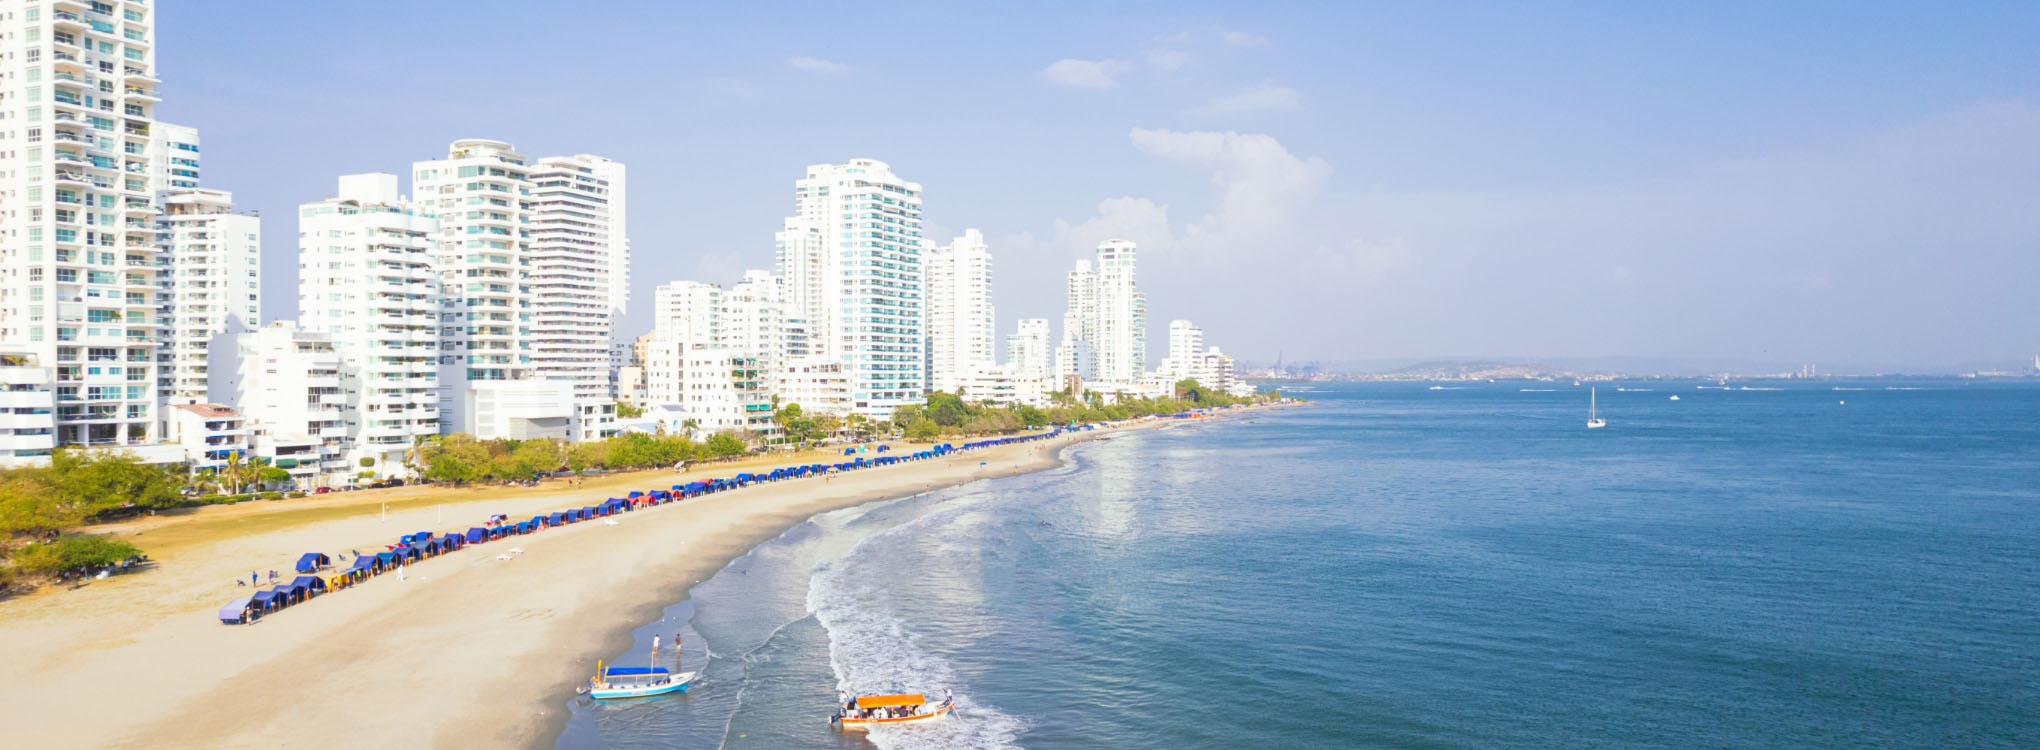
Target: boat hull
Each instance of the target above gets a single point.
(678, 685)
(868, 723)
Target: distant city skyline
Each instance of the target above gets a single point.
(1735, 182)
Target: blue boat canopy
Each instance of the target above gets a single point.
(635, 672)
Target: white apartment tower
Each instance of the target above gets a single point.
(851, 262)
(1121, 314)
(1105, 323)
(960, 316)
(78, 260)
(366, 279)
(1028, 350)
(1186, 349)
(579, 281)
(479, 192)
(212, 286)
(1080, 309)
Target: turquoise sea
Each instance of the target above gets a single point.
(1396, 566)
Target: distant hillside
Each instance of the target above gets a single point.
(1473, 370)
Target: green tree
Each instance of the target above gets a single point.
(948, 409)
(907, 413)
(457, 458)
(270, 475)
(724, 445)
(532, 457)
(29, 505)
(923, 429)
(1032, 417)
(624, 410)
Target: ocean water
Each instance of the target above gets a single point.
(1396, 566)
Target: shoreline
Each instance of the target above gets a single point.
(459, 654)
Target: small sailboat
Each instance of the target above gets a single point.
(1593, 422)
(1675, 397)
(905, 708)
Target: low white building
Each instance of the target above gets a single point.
(1005, 385)
(209, 434)
(519, 409)
(287, 382)
(29, 433)
(818, 384)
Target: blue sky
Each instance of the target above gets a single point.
(1845, 183)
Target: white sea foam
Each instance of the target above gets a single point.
(1537, 390)
(872, 652)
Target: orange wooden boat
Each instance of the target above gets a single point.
(904, 708)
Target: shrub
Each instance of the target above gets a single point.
(72, 552)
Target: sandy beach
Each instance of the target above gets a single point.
(469, 651)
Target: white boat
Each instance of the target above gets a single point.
(637, 682)
(1593, 422)
(906, 708)
(1675, 397)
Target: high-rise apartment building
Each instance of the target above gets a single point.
(1122, 315)
(1028, 349)
(1186, 350)
(1105, 325)
(479, 193)
(212, 285)
(367, 279)
(78, 260)
(850, 258)
(960, 315)
(579, 281)
(1080, 322)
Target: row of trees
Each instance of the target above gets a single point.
(462, 458)
(951, 414)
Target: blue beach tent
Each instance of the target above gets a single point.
(477, 535)
(555, 519)
(238, 611)
(266, 599)
(311, 584)
(312, 561)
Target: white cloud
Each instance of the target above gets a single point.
(818, 65)
(1088, 74)
(1266, 96)
(1167, 59)
(1260, 185)
(1242, 39)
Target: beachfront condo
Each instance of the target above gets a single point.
(212, 284)
(367, 277)
(851, 260)
(579, 282)
(960, 314)
(79, 293)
